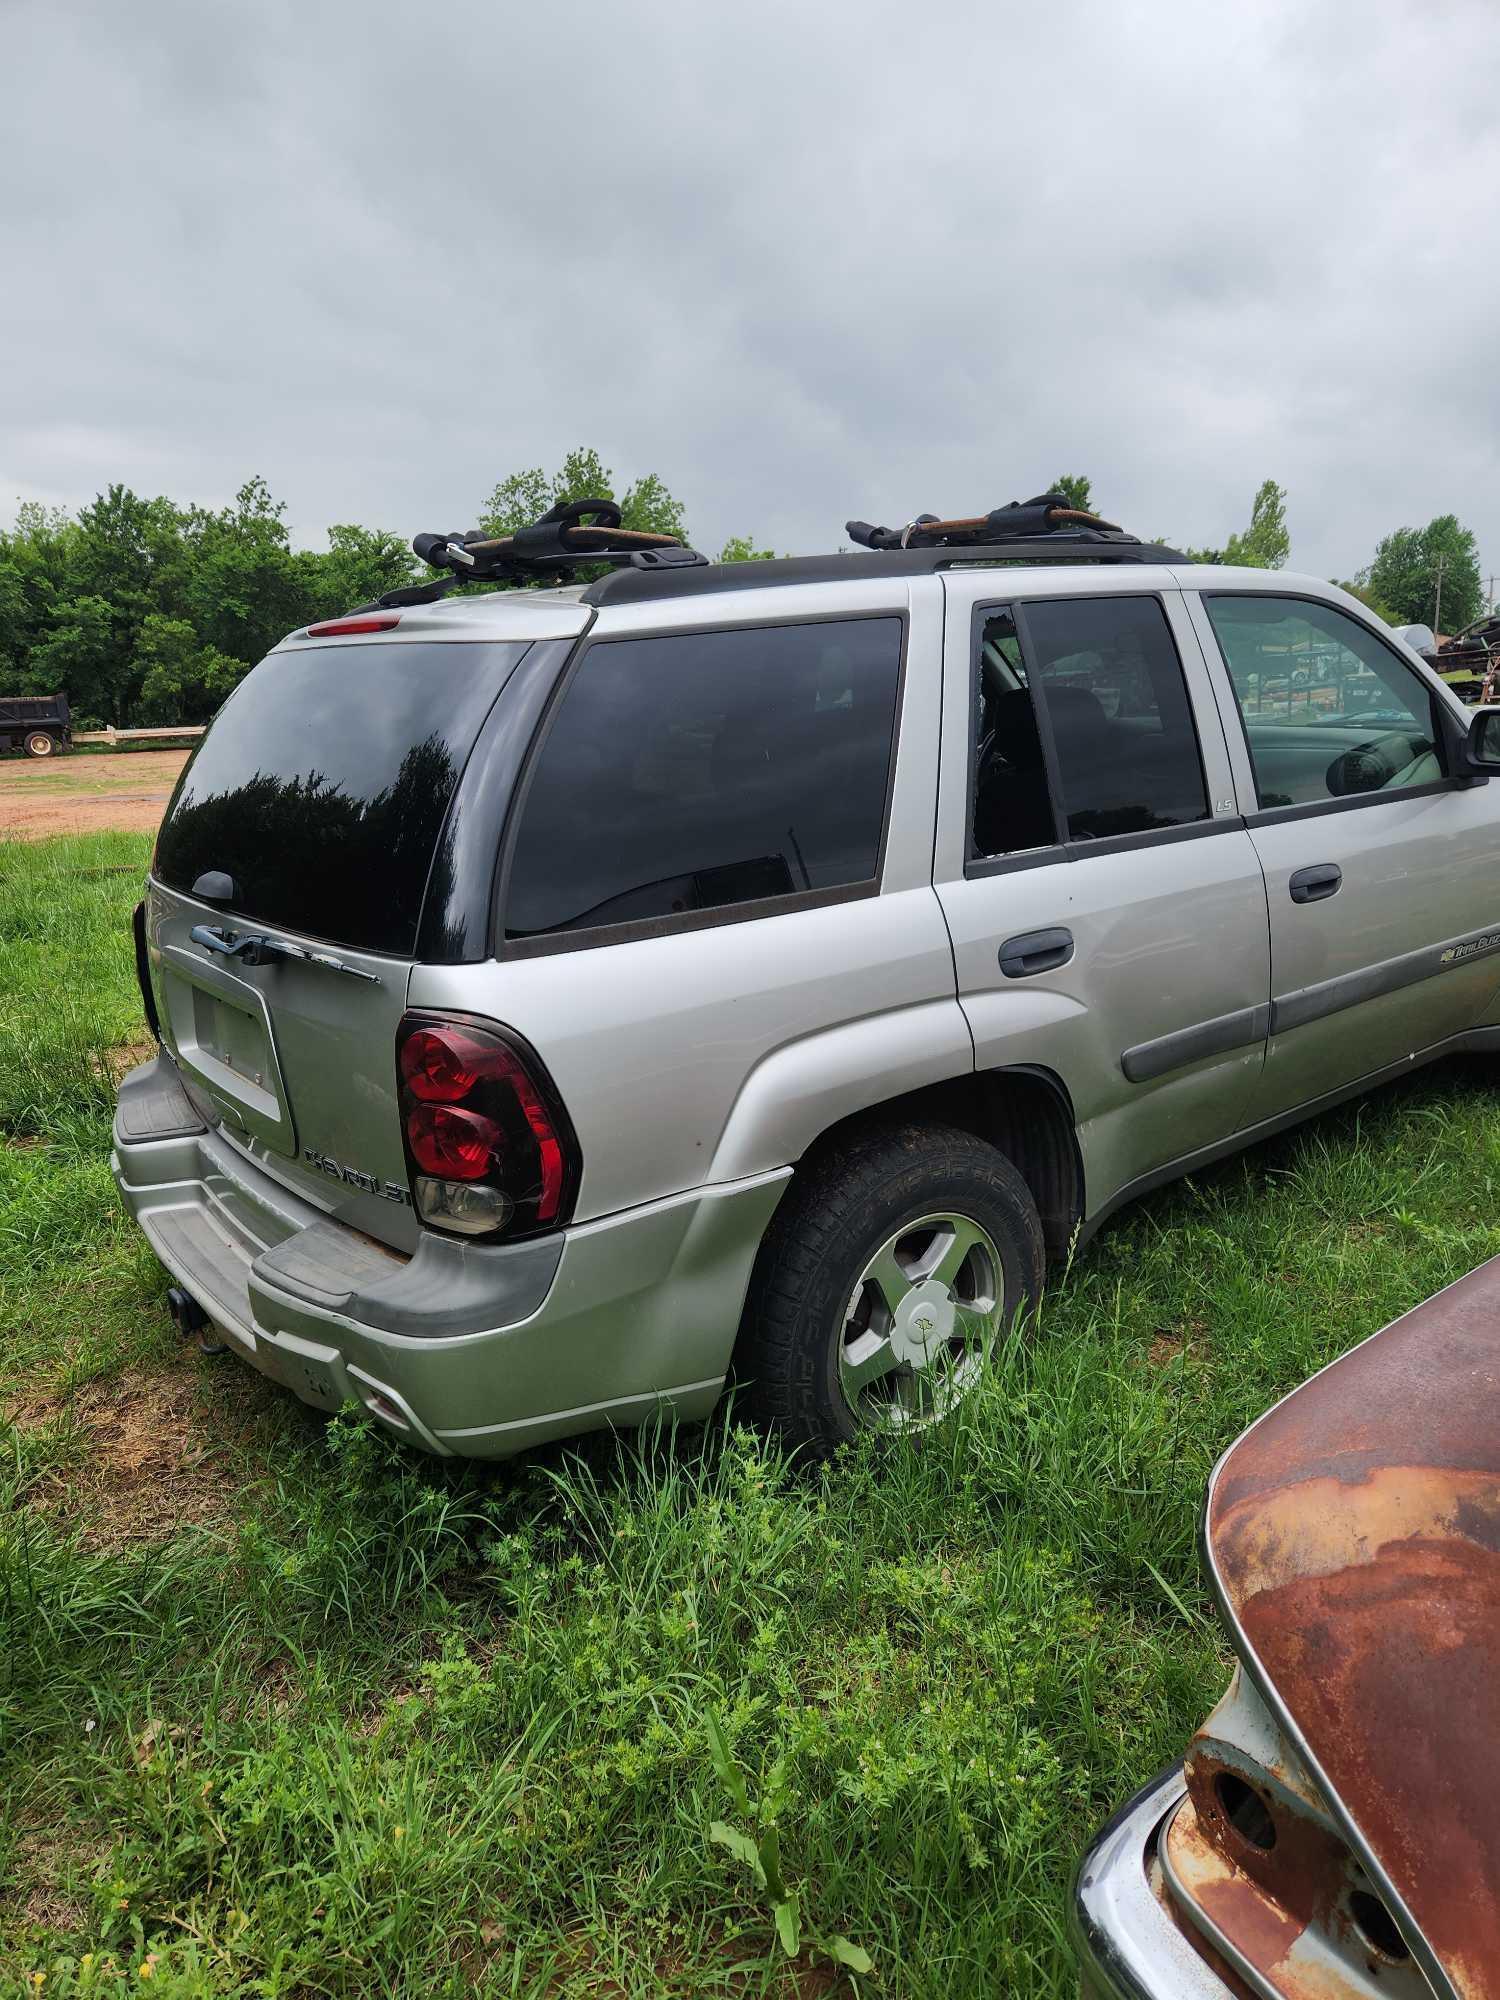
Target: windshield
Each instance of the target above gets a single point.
(322, 787)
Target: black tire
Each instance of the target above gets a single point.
(41, 743)
(832, 1221)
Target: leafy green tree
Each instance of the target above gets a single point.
(361, 564)
(1406, 570)
(741, 548)
(35, 577)
(181, 680)
(245, 589)
(647, 505)
(651, 508)
(81, 656)
(1372, 601)
(1265, 544)
(126, 555)
(1075, 489)
(518, 500)
(143, 611)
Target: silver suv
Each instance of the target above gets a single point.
(571, 998)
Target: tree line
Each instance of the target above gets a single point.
(145, 612)
(1417, 576)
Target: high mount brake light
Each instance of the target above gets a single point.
(338, 628)
(489, 1145)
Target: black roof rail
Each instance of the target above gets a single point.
(1045, 529)
(633, 586)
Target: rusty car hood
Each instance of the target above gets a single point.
(1353, 1538)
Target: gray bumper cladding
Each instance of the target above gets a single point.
(479, 1350)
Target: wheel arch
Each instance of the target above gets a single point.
(1023, 1110)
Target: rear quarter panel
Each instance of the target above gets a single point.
(721, 1052)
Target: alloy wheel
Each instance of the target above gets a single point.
(920, 1322)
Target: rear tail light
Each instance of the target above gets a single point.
(489, 1146)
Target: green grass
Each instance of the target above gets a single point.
(374, 1726)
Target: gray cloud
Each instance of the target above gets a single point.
(804, 263)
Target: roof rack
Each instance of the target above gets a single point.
(1043, 530)
(569, 536)
(1048, 514)
(577, 533)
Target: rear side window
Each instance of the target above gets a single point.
(703, 770)
(323, 784)
(1102, 674)
(1329, 711)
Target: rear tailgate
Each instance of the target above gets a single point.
(287, 897)
(297, 1059)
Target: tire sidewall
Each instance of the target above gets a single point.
(43, 737)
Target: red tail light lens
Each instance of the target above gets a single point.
(453, 1144)
(478, 1111)
(440, 1067)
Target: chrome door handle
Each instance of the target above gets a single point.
(1035, 951)
(1311, 885)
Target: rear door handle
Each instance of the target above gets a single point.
(1311, 885)
(1035, 951)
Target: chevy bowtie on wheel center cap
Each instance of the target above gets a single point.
(918, 1327)
(924, 1323)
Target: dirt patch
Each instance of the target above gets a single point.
(1169, 1341)
(119, 1061)
(43, 1861)
(126, 793)
(150, 1463)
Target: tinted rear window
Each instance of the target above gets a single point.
(324, 782)
(706, 769)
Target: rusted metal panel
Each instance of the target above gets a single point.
(1354, 1537)
(1257, 1870)
(1269, 1936)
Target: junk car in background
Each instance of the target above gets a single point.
(1334, 1833)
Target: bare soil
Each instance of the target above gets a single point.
(153, 1460)
(123, 791)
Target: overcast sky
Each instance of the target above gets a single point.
(804, 262)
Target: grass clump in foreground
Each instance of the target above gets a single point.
(351, 1722)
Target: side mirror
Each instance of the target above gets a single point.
(1484, 740)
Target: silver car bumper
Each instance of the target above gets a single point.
(468, 1350)
(1127, 1945)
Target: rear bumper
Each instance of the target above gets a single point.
(1128, 1947)
(479, 1352)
